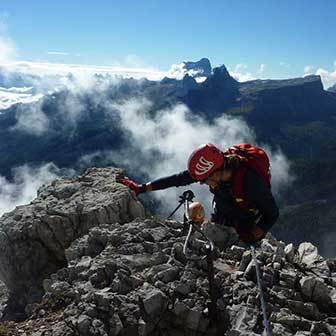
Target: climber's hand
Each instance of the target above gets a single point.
(137, 188)
(119, 176)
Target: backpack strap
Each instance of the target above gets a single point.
(238, 186)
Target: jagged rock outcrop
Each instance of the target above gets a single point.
(34, 237)
(125, 275)
(201, 67)
(214, 95)
(178, 88)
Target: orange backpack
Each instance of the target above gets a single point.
(253, 157)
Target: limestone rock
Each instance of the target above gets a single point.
(315, 290)
(154, 301)
(34, 237)
(245, 261)
(308, 255)
(290, 252)
(304, 309)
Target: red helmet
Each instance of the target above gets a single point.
(204, 160)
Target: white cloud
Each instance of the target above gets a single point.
(328, 77)
(280, 169)
(47, 68)
(242, 77)
(61, 53)
(308, 70)
(240, 67)
(261, 70)
(178, 71)
(9, 97)
(240, 73)
(200, 79)
(26, 181)
(31, 119)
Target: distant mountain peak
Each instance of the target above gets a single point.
(202, 67)
(221, 71)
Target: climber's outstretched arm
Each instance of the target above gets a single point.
(177, 180)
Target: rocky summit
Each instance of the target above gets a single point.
(86, 258)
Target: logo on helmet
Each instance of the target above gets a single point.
(203, 166)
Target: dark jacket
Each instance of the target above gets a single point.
(263, 209)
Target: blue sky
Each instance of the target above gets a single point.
(285, 36)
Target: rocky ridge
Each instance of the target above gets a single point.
(124, 271)
(34, 237)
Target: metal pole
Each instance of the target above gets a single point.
(261, 292)
(212, 290)
(178, 207)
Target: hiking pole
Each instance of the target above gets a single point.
(261, 293)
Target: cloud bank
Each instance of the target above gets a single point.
(9, 97)
(31, 119)
(61, 69)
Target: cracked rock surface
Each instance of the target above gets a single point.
(34, 237)
(129, 276)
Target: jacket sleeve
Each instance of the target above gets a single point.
(260, 194)
(176, 180)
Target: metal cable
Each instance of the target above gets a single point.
(262, 298)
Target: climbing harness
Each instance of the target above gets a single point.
(261, 293)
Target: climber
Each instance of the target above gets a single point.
(239, 178)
